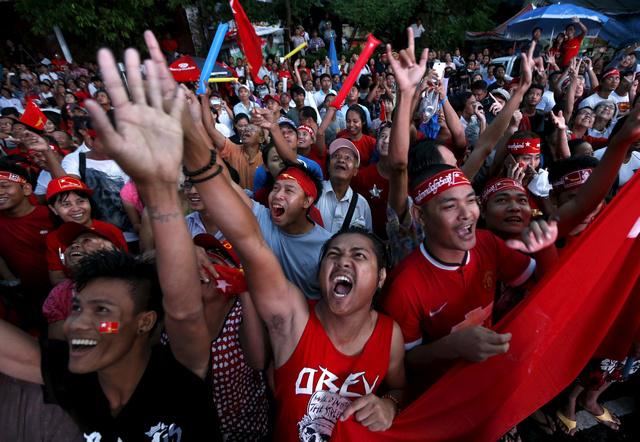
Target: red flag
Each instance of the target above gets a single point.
(33, 117)
(588, 306)
(248, 40)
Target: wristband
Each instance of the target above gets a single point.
(217, 172)
(212, 162)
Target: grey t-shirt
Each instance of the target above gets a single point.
(298, 254)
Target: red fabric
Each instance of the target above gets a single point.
(568, 318)
(248, 40)
(320, 159)
(317, 382)
(23, 247)
(570, 49)
(427, 298)
(185, 70)
(57, 306)
(375, 189)
(169, 45)
(33, 116)
(304, 181)
(438, 183)
(365, 145)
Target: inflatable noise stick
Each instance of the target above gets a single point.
(294, 52)
(365, 55)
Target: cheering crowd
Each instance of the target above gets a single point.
(312, 245)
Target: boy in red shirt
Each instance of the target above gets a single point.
(572, 43)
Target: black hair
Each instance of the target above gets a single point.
(479, 84)
(325, 75)
(423, 155)
(363, 116)
(536, 86)
(317, 182)
(573, 144)
(138, 272)
(297, 90)
(308, 112)
(239, 117)
(428, 173)
(379, 247)
(459, 100)
(560, 168)
(13, 166)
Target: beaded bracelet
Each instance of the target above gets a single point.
(217, 172)
(202, 170)
(393, 399)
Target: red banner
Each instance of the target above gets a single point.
(589, 306)
(248, 40)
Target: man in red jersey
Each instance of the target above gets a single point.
(23, 232)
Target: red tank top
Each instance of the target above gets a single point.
(318, 382)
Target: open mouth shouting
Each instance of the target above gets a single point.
(276, 210)
(342, 286)
(81, 346)
(513, 219)
(465, 232)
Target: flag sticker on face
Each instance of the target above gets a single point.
(108, 327)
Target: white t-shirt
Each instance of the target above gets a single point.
(334, 212)
(593, 100)
(71, 165)
(43, 181)
(627, 169)
(417, 30)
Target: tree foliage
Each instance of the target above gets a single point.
(377, 16)
(116, 23)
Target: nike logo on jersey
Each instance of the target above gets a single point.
(432, 313)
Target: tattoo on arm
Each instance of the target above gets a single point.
(158, 216)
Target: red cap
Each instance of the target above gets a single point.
(66, 184)
(33, 117)
(271, 97)
(68, 232)
(220, 249)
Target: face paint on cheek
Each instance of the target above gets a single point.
(108, 327)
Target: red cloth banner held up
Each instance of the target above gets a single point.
(588, 306)
(248, 40)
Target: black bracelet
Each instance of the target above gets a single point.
(206, 168)
(217, 172)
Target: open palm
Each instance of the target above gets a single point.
(147, 141)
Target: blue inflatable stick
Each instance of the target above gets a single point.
(207, 68)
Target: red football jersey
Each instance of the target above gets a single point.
(318, 382)
(570, 49)
(431, 299)
(365, 145)
(23, 247)
(375, 189)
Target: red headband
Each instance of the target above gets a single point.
(524, 146)
(437, 184)
(573, 179)
(307, 129)
(610, 73)
(292, 173)
(500, 185)
(14, 178)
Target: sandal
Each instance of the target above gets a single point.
(569, 424)
(543, 422)
(606, 418)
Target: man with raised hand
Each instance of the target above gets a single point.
(109, 376)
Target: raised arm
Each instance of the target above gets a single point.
(210, 126)
(265, 119)
(562, 144)
(148, 146)
(37, 143)
(595, 189)
(19, 354)
(490, 137)
(408, 76)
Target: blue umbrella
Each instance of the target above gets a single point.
(553, 19)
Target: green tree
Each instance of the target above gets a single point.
(117, 23)
(377, 16)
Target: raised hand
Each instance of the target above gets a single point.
(408, 73)
(558, 120)
(35, 142)
(516, 172)
(526, 68)
(539, 235)
(147, 143)
(263, 118)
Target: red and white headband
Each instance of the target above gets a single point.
(524, 146)
(573, 179)
(437, 184)
(14, 178)
(500, 185)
